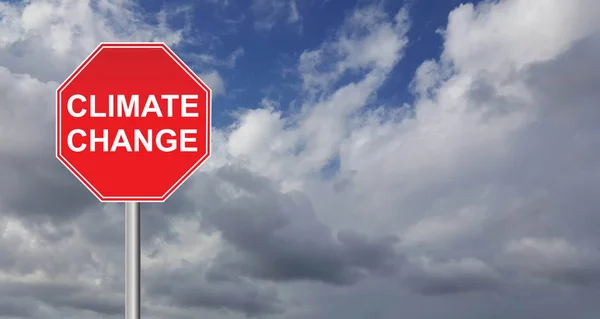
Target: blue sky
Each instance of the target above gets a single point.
(266, 57)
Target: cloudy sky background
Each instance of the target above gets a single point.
(370, 160)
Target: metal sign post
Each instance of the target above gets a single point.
(132, 260)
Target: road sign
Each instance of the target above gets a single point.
(133, 122)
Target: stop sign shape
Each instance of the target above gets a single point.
(133, 122)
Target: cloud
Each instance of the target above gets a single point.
(66, 31)
(443, 228)
(212, 60)
(368, 40)
(207, 63)
(280, 238)
(65, 295)
(555, 259)
(268, 13)
(28, 168)
(455, 276)
(214, 81)
(184, 287)
(290, 149)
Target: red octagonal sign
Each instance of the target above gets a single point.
(133, 122)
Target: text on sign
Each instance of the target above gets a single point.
(136, 140)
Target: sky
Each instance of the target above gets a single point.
(370, 159)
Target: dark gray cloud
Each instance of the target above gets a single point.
(186, 287)
(431, 277)
(35, 185)
(41, 189)
(280, 237)
(12, 307)
(62, 295)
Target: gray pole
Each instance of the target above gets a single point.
(132, 260)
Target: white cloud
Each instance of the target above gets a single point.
(214, 81)
(554, 258)
(65, 31)
(268, 13)
(212, 60)
(483, 39)
(443, 228)
(369, 40)
(314, 136)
